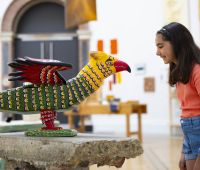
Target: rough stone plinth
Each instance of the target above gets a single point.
(64, 153)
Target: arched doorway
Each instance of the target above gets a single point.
(37, 30)
(41, 34)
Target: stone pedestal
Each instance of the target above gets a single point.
(66, 153)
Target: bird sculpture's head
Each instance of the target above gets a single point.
(101, 65)
(103, 62)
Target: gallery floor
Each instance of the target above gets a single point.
(161, 152)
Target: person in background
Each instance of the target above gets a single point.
(176, 46)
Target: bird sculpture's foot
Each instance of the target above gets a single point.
(52, 133)
(50, 130)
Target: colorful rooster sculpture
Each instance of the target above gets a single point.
(49, 92)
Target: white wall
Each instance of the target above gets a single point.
(134, 24)
(194, 19)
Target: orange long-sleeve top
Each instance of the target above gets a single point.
(189, 94)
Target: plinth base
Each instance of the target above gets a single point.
(52, 133)
(66, 153)
(11, 164)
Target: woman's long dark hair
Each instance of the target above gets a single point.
(187, 53)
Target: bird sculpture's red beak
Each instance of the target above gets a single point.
(121, 66)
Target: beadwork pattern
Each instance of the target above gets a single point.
(46, 97)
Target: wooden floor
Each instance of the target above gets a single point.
(160, 153)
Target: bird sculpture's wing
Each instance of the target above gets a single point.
(38, 71)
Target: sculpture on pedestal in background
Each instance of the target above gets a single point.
(50, 92)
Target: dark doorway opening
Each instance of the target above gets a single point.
(41, 34)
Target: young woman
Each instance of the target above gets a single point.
(175, 45)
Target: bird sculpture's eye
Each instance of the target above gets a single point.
(109, 63)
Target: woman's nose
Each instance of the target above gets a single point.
(158, 52)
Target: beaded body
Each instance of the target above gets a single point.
(32, 98)
(49, 91)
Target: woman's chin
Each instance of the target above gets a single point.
(165, 61)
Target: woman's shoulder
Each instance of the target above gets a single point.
(196, 67)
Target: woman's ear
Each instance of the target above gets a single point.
(94, 55)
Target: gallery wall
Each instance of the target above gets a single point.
(134, 24)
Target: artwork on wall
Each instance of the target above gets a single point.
(176, 10)
(100, 45)
(149, 84)
(140, 69)
(116, 78)
(79, 12)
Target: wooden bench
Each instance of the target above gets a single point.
(126, 108)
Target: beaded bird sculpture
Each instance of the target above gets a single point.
(50, 92)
